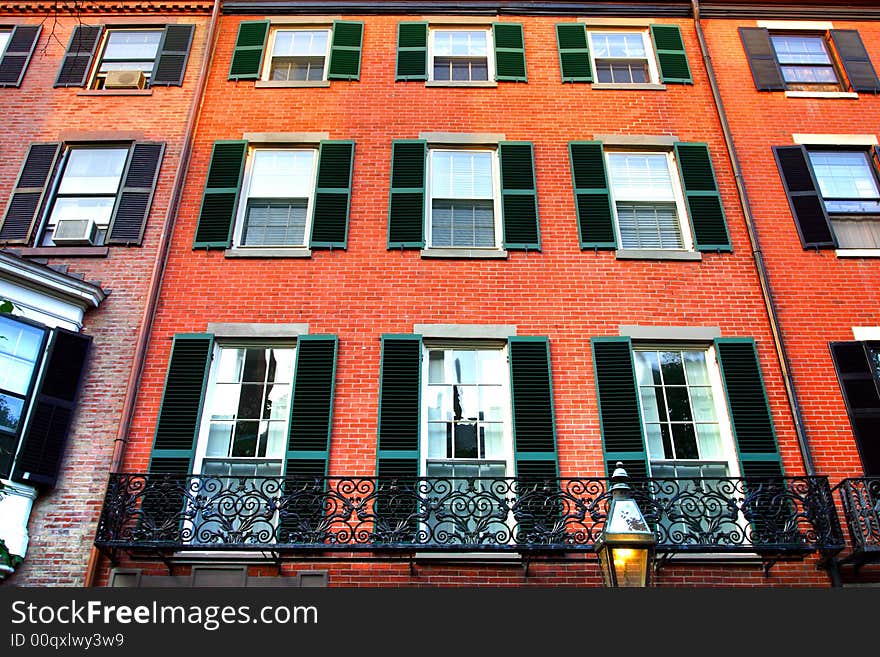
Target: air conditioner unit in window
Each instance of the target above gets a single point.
(125, 80)
(74, 231)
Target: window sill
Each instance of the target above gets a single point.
(65, 252)
(115, 92)
(641, 86)
(657, 254)
(255, 252)
(290, 84)
(472, 557)
(464, 253)
(821, 94)
(463, 83)
(857, 253)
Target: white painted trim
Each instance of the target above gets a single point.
(47, 281)
(285, 137)
(865, 333)
(669, 333)
(463, 138)
(616, 22)
(857, 253)
(300, 21)
(651, 141)
(460, 20)
(834, 140)
(223, 330)
(821, 94)
(16, 502)
(274, 28)
(796, 25)
(465, 331)
(483, 26)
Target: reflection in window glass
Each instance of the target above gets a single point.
(20, 348)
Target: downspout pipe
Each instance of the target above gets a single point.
(158, 272)
(757, 255)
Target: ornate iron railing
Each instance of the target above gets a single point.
(861, 507)
(198, 512)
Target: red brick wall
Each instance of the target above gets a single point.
(62, 525)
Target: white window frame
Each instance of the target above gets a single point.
(490, 53)
(687, 237)
(265, 74)
(96, 75)
(8, 34)
(496, 196)
(244, 196)
(650, 55)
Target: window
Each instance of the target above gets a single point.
(647, 201)
(460, 55)
(127, 50)
(4, 39)
(849, 189)
(623, 57)
(464, 210)
(805, 62)
(297, 55)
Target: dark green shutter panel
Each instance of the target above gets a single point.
(702, 196)
(510, 52)
(412, 51)
(855, 60)
(804, 198)
(534, 424)
(574, 52)
(332, 194)
(406, 208)
(22, 42)
(27, 196)
(859, 378)
(247, 58)
(762, 58)
(747, 402)
(620, 415)
(671, 54)
(177, 427)
(42, 446)
(345, 51)
(170, 65)
(519, 196)
(133, 203)
(592, 196)
(78, 58)
(311, 416)
(217, 215)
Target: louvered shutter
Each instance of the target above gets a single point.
(855, 60)
(133, 203)
(406, 208)
(345, 51)
(247, 58)
(703, 199)
(332, 194)
(412, 51)
(519, 197)
(859, 378)
(804, 198)
(671, 54)
(592, 196)
(762, 58)
(27, 197)
(19, 50)
(510, 52)
(78, 58)
(574, 52)
(534, 424)
(220, 199)
(173, 55)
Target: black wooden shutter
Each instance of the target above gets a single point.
(39, 457)
(860, 385)
(220, 199)
(332, 194)
(519, 196)
(762, 58)
(406, 207)
(703, 199)
(412, 51)
(806, 203)
(247, 58)
(78, 58)
(534, 423)
(620, 415)
(133, 203)
(27, 197)
(592, 196)
(19, 50)
(855, 60)
(170, 65)
(510, 52)
(345, 50)
(574, 52)
(671, 55)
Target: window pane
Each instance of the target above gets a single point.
(275, 223)
(464, 365)
(654, 441)
(649, 226)
(437, 443)
(459, 42)
(461, 174)
(844, 174)
(300, 42)
(492, 368)
(798, 49)
(492, 403)
(224, 401)
(653, 404)
(809, 74)
(856, 233)
(297, 68)
(703, 404)
(254, 365)
(463, 224)
(229, 365)
(617, 44)
(493, 440)
(439, 403)
(465, 402)
(93, 171)
(277, 402)
(679, 405)
(277, 173)
(695, 365)
(647, 368)
(251, 401)
(436, 365)
(466, 441)
(130, 44)
(622, 72)
(283, 365)
(219, 438)
(685, 440)
(276, 444)
(710, 441)
(10, 412)
(640, 176)
(4, 39)
(673, 371)
(245, 442)
(98, 210)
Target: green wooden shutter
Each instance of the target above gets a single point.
(748, 407)
(703, 199)
(592, 196)
(412, 51)
(620, 414)
(332, 194)
(574, 52)
(247, 58)
(220, 199)
(519, 196)
(671, 54)
(133, 203)
(345, 50)
(406, 208)
(27, 195)
(534, 421)
(510, 52)
(177, 426)
(170, 65)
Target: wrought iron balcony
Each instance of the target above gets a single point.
(861, 506)
(142, 512)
